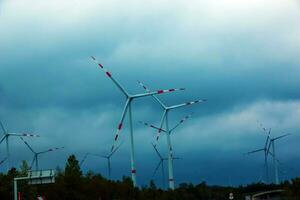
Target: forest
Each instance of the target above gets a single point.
(72, 184)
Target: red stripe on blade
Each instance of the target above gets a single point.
(133, 171)
(108, 74)
(120, 126)
(171, 90)
(160, 91)
(100, 65)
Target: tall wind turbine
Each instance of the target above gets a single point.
(127, 108)
(108, 157)
(275, 166)
(265, 150)
(165, 119)
(36, 154)
(160, 164)
(6, 136)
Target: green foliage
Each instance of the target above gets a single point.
(71, 184)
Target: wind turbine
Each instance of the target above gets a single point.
(6, 136)
(160, 163)
(275, 166)
(36, 154)
(165, 119)
(172, 129)
(265, 150)
(108, 157)
(127, 108)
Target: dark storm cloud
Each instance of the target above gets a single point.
(243, 59)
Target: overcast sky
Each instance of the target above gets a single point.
(243, 56)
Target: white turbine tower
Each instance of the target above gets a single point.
(127, 107)
(275, 166)
(6, 136)
(36, 154)
(165, 119)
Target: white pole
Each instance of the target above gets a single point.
(133, 170)
(8, 154)
(267, 170)
(15, 190)
(163, 174)
(275, 164)
(36, 162)
(108, 165)
(170, 163)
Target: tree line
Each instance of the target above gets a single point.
(72, 184)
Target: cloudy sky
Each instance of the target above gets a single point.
(243, 56)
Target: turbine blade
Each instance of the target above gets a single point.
(269, 146)
(2, 127)
(152, 126)
(120, 125)
(52, 149)
(268, 138)
(181, 121)
(32, 162)
(263, 128)
(279, 137)
(156, 150)
(97, 155)
(85, 156)
(156, 168)
(188, 103)
(31, 149)
(24, 134)
(143, 86)
(176, 158)
(108, 74)
(114, 151)
(3, 137)
(250, 152)
(2, 161)
(160, 127)
(156, 92)
(155, 97)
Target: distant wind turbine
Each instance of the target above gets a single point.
(6, 136)
(108, 157)
(265, 150)
(36, 154)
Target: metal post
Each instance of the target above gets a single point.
(267, 170)
(15, 190)
(133, 170)
(170, 163)
(8, 154)
(275, 164)
(163, 174)
(36, 162)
